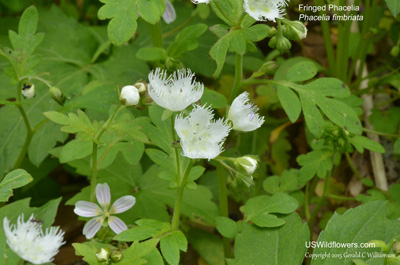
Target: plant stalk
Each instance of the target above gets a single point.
(238, 77)
(223, 205)
(156, 36)
(178, 202)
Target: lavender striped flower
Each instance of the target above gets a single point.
(102, 216)
(169, 15)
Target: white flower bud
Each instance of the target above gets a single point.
(141, 86)
(28, 90)
(103, 255)
(129, 96)
(248, 163)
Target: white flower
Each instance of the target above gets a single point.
(30, 243)
(28, 90)
(263, 10)
(129, 96)
(243, 114)
(175, 92)
(201, 137)
(103, 215)
(248, 163)
(169, 15)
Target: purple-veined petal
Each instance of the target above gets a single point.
(92, 227)
(123, 204)
(87, 209)
(116, 224)
(103, 195)
(169, 15)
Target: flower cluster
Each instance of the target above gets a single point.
(103, 215)
(30, 243)
(201, 137)
(175, 92)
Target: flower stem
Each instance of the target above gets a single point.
(29, 132)
(93, 179)
(178, 202)
(156, 36)
(381, 133)
(223, 205)
(238, 77)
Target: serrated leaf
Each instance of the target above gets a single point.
(15, 179)
(356, 226)
(226, 227)
(259, 209)
(171, 245)
(272, 246)
(290, 102)
(88, 253)
(134, 255)
(123, 17)
(237, 42)
(302, 71)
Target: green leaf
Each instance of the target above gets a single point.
(228, 11)
(226, 227)
(218, 53)
(361, 142)
(290, 102)
(15, 179)
(186, 40)
(313, 117)
(152, 54)
(151, 10)
(88, 253)
(237, 42)
(394, 7)
(285, 183)
(74, 123)
(75, 149)
(213, 98)
(171, 244)
(26, 38)
(356, 226)
(302, 71)
(259, 209)
(385, 121)
(257, 32)
(272, 246)
(146, 228)
(135, 254)
(123, 17)
(208, 245)
(396, 147)
(315, 162)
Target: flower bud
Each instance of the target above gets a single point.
(248, 163)
(141, 86)
(295, 30)
(103, 255)
(28, 90)
(282, 44)
(129, 96)
(116, 256)
(272, 42)
(269, 67)
(395, 51)
(57, 95)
